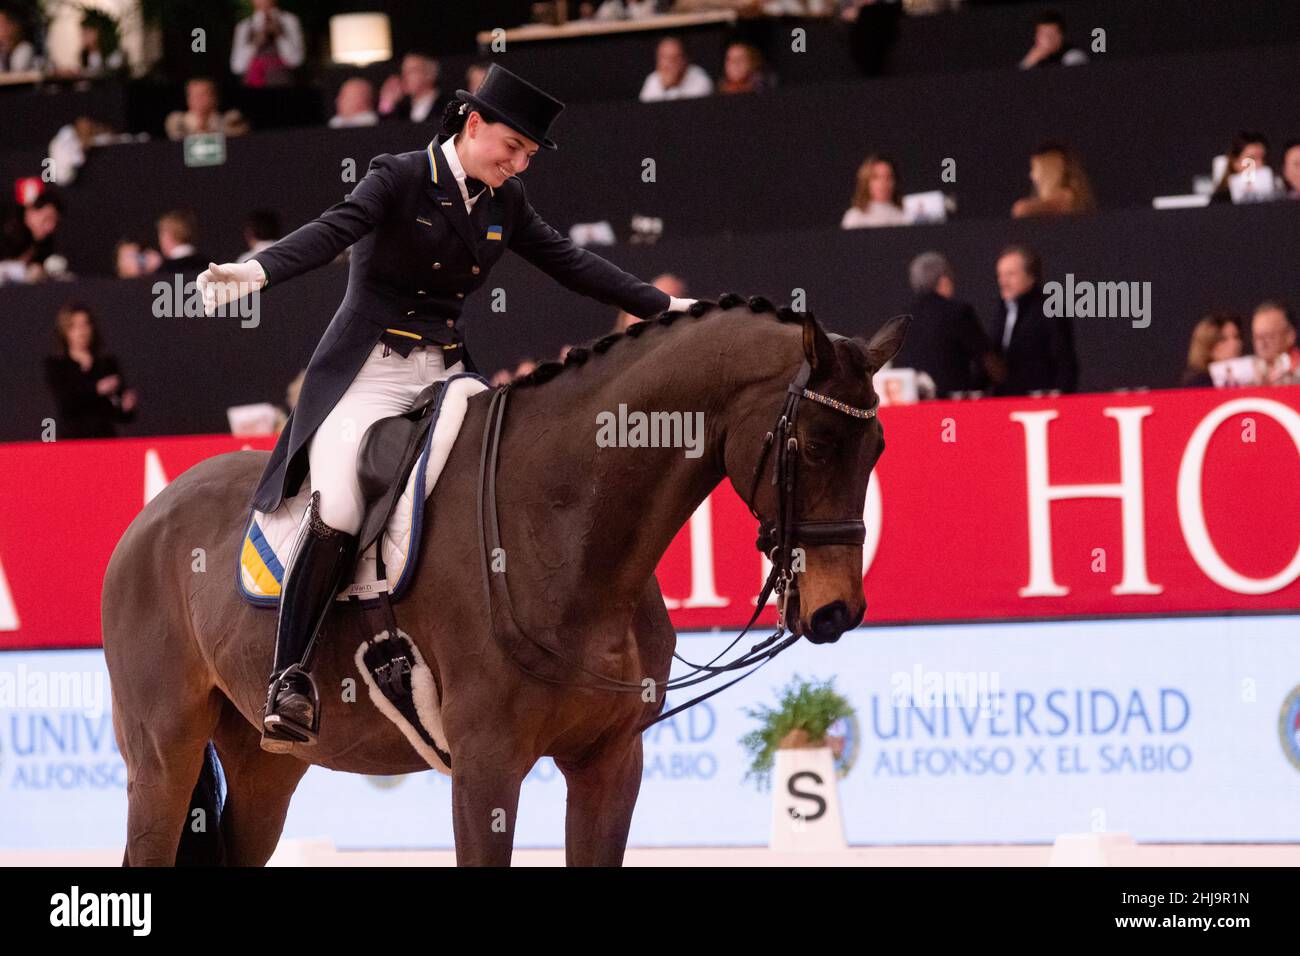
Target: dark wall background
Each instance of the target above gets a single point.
(188, 370)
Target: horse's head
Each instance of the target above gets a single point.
(811, 516)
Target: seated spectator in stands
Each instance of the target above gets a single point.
(261, 230)
(16, 54)
(1217, 337)
(742, 70)
(667, 282)
(355, 105)
(421, 98)
(1277, 359)
(1248, 149)
(474, 74)
(88, 388)
(267, 46)
(946, 339)
(100, 52)
(675, 77)
(133, 259)
(1061, 186)
(1038, 350)
(202, 114)
(27, 239)
(178, 230)
(875, 197)
(1291, 169)
(1051, 46)
(872, 29)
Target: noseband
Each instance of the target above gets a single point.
(776, 540)
(778, 536)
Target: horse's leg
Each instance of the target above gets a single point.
(484, 802)
(602, 793)
(163, 748)
(259, 786)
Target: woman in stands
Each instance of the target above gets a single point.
(1216, 337)
(428, 227)
(1061, 186)
(875, 196)
(86, 382)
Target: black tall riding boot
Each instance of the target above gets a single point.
(322, 558)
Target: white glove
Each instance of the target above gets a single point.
(219, 284)
(679, 305)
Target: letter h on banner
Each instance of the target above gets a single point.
(1041, 493)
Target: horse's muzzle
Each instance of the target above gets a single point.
(830, 621)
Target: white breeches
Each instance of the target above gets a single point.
(386, 385)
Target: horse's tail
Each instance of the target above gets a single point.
(201, 843)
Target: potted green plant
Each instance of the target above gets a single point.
(793, 748)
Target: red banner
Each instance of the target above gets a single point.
(1114, 505)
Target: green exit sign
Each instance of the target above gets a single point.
(205, 149)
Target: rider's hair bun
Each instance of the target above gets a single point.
(455, 116)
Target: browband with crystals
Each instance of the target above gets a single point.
(839, 406)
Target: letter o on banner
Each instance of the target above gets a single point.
(1191, 509)
(871, 514)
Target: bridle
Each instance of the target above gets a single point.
(777, 540)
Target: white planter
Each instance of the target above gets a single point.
(806, 801)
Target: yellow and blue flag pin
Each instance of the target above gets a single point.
(494, 232)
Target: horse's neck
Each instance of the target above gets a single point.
(604, 516)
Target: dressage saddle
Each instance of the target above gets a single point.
(389, 450)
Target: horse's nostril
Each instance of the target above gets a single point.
(830, 621)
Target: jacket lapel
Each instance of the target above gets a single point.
(442, 186)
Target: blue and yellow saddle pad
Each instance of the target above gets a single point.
(269, 538)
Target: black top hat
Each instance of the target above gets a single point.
(505, 98)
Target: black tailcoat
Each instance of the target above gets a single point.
(416, 255)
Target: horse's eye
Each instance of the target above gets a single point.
(816, 451)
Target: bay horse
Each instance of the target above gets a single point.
(583, 528)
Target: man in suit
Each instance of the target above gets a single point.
(946, 339)
(426, 227)
(178, 231)
(1038, 349)
(422, 100)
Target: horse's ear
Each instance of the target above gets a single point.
(817, 348)
(884, 345)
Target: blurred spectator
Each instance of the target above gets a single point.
(1248, 150)
(742, 70)
(674, 77)
(202, 114)
(945, 338)
(261, 229)
(875, 197)
(1051, 46)
(421, 99)
(1038, 350)
(1291, 169)
(267, 46)
(178, 231)
(667, 282)
(133, 259)
(1061, 186)
(1277, 359)
(16, 54)
(354, 105)
(100, 51)
(89, 391)
(1217, 337)
(474, 74)
(873, 28)
(27, 239)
